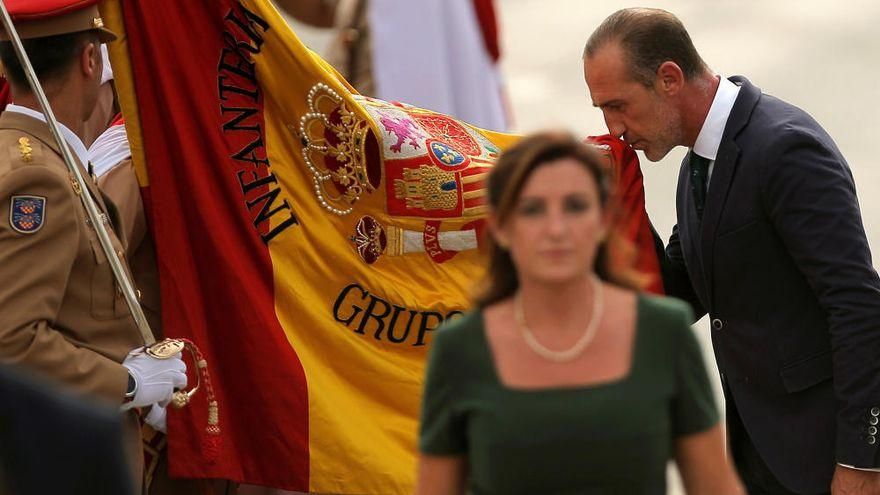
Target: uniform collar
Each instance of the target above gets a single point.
(75, 143)
(709, 139)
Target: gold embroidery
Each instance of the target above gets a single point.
(395, 241)
(331, 132)
(24, 146)
(369, 239)
(427, 188)
(75, 184)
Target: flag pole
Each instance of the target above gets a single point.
(96, 218)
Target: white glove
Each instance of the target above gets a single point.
(155, 379)
(157, 418)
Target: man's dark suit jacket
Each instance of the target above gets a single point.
(52, 442)
(781, 263)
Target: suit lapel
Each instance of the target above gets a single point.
(40, 130)
(723, 172)
(689, 230)
(722, 175)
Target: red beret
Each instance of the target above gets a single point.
(41, 18)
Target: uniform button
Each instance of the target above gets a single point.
(872, 430)
(873, 420)
(875, 411)
(872, 440)
(717, 324)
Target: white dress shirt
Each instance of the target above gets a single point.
(709, 138)
(76, 145)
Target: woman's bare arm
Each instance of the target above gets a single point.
(704, 467)
(441, 475)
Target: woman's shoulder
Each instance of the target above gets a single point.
(665, 323)
(666, 308)
(460, 331)
(462, 342)
(669, 314)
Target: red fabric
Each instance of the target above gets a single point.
(205, 239)
(117, 120)
(5, 96)
(20, 10)
(629, 197)
(485, 11)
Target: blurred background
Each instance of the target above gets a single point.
(820, 56)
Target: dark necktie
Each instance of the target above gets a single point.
(699, 172)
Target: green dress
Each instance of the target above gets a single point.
(609, 438)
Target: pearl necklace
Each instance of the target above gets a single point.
(575, 350)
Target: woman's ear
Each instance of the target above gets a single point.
(499, 236)
(605, 224)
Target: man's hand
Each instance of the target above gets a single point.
(155, 378)
(848, 481)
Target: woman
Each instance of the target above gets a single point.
(565, 379)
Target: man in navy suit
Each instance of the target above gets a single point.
(769, 243)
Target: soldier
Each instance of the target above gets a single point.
(63, 314)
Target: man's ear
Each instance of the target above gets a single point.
(670, 78)
(91, 64)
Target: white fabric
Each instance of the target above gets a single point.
(157, 418)
(873, 470)
(76, 145)
(431, 54)
(456, 240)
(109, 149)
(107, 72)
(709, 139)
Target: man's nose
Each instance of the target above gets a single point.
(615, 126)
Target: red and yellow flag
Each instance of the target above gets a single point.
(309, 240)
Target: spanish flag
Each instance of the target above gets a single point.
(309, 240)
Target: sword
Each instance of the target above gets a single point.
(160, 350)
(96, 218)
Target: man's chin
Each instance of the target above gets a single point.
(653, 156)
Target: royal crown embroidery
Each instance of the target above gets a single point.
(429, 170)
(333, 139)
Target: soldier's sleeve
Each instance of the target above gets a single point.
(37, 254)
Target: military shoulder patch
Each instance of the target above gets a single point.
(27, 214)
